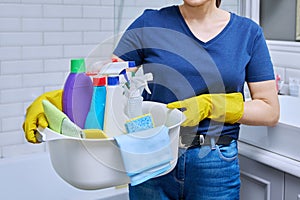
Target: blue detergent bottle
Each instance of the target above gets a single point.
(95, 117)
(77, 93)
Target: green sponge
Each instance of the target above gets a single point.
(139, 123)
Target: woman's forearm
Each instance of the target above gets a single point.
(259, 113)
(263, 109)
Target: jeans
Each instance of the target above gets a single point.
(201, 173)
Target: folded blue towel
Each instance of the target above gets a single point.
(145, 154)
(138, 178)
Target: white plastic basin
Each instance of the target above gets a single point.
(97, 163)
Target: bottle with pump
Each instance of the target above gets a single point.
(95, 117)
(77, 93)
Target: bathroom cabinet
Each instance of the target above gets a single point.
(262, 181)
(292, 187)
(259, 181)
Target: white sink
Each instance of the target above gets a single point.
(282, 139)
(289, 110)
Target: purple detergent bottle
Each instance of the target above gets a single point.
(78, 92)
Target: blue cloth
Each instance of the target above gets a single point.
(184, 66)
(145, 154)
(214, 176)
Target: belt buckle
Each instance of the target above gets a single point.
(201, 142)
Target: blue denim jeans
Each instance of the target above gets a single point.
(201, 173)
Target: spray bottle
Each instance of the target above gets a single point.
(115, 116)
(134, 94)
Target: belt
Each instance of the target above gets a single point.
(189, 140)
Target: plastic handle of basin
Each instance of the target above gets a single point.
(169, 112)
(44, 135)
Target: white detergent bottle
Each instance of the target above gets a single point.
(114, 117)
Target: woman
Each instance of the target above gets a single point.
(200, 57)
(174, 43)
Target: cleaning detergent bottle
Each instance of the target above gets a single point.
(114, 117)
(95, 117)
(78, 92)
(134, 94)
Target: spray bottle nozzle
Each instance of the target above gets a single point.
(110, 68)
(138, 84)
(147, 77)
(123, 72)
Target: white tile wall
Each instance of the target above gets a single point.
(42, 24)
(285, 56)
(37, 39)
(291, 73)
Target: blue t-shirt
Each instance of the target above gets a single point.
(183, 66)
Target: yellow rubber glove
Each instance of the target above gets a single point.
(35, 113)
(228, 108)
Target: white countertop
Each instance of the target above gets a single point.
(269, 158)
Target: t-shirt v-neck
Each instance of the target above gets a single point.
(188, 30)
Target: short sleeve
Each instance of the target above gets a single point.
(260, 67)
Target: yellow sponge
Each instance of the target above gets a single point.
(94, 134)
